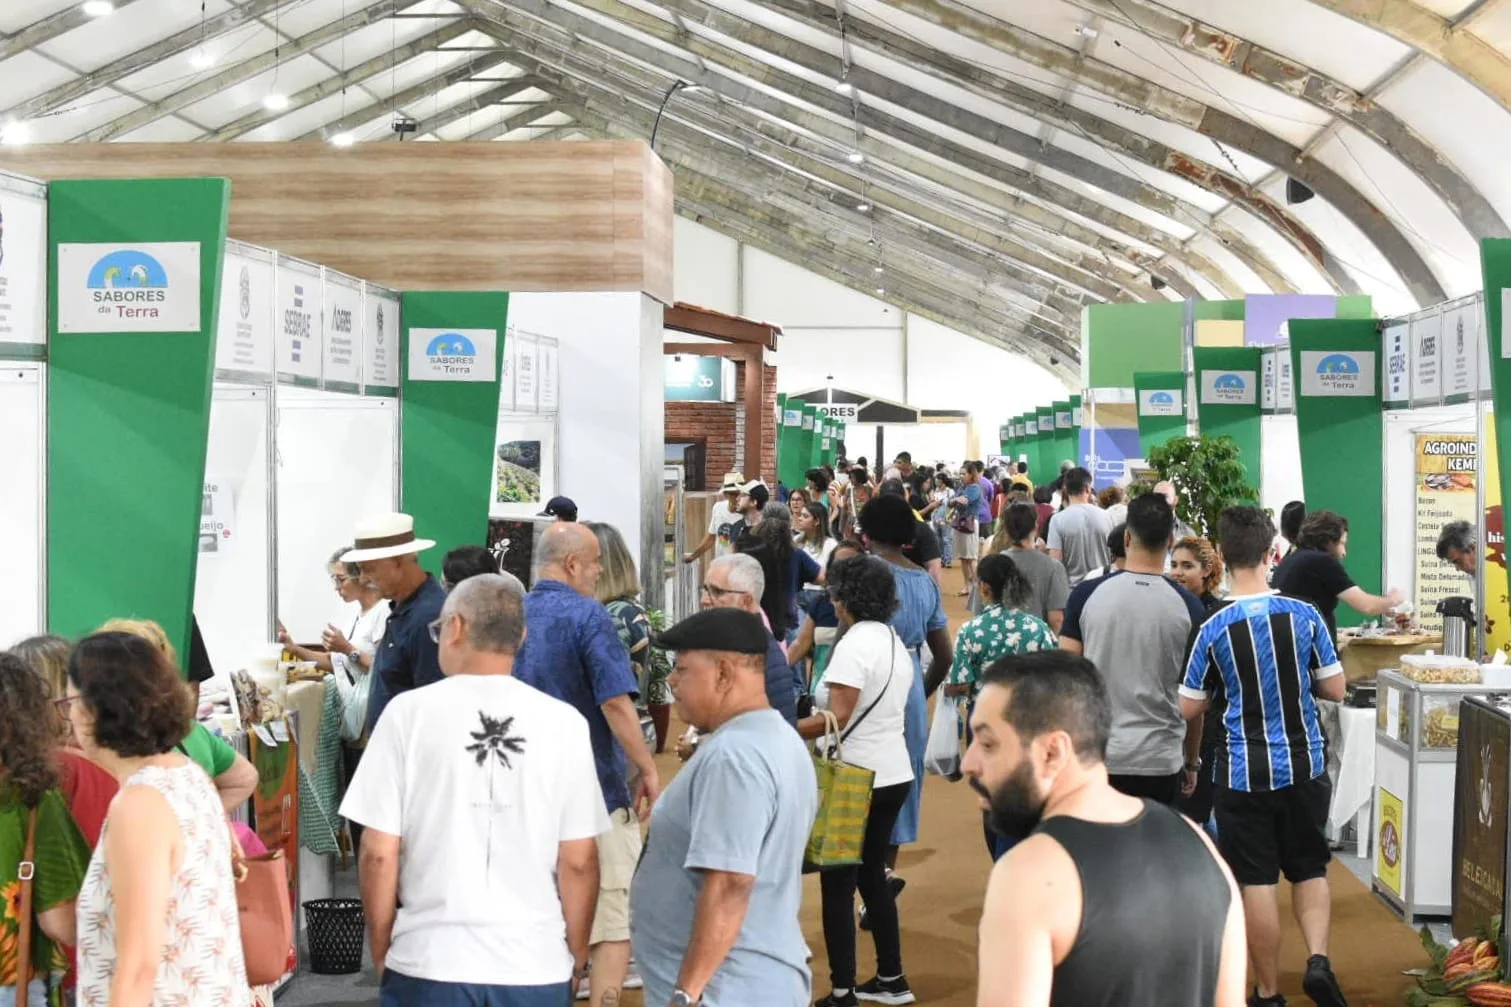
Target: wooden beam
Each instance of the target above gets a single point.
(753, 356)
(698, 321)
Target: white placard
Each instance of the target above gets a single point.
(1160, 402)
(549, 378)
(1076, 417)
(526, 372)
(244, 332)
(1063, 420)
(380, 340)
(299, 320)
(1460, 331)
(807, 420)
(1397, 363)
(452, 354)
(1031, 428)
(217, 518)
(1229, 388)
(1269, 380)
(343, 331)
(150, 287)
(1286, 389)
(23, 268)
(1338, 373)
(1426, 349)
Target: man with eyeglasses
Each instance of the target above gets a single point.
(737, 581)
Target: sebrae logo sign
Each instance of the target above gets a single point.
(150, 287)
(1159, 402)
(1331, 373)
(453, 354)
(1228, 388)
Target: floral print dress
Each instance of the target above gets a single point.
(202, 964)
(996, 633)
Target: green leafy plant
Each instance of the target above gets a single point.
(1208, 477)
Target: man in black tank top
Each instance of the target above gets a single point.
(1109, 900)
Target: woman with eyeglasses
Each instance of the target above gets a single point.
(31, 803)
(157, 910)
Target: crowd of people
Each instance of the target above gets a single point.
(519, 847)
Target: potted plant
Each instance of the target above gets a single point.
(1208, 476)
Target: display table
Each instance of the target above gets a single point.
(1416, 735)
(1364, 657)
(317, 872)
(1353, 786)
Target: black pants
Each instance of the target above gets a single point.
(350, 757)
(839, 884)
(1161, 789)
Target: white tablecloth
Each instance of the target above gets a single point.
(1351, 733)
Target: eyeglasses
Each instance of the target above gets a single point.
(436, 627)
(63, 703)
(714, 591)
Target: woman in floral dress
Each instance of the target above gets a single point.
(1002, 629)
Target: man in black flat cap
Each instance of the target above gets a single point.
(714, 904)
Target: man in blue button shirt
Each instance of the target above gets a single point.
(387, 556)
(573, 652)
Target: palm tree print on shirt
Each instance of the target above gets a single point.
(495, 740)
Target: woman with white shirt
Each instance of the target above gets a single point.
(810, 526)
(866, 687)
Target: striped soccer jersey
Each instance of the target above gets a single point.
(1263, 653)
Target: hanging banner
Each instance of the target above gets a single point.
(380, 343)
(1426, 368)
(549, 379)
(343, 334)
(147, 287)
(1269, 381)
(1460, 333)
(300, 324)
(23, 268)
(1397, 388)
(525, 372)
(1447, 470)
(244, 338)
(452, 354)
(1334, 373)
(1228, 388)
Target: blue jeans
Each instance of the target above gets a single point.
(946, 543)
(399, 990)
(36, 994)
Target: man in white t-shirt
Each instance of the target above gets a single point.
(481, 803)
(721, 520)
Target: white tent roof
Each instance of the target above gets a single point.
(1004, 161)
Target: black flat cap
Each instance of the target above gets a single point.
(725, 629)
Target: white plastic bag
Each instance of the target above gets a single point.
(942, 754)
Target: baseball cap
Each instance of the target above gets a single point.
(730, 630)
(561, 507)
(757, 491)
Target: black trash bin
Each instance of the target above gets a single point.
(335, 930)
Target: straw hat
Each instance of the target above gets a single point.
(734, 482)
(384, 537)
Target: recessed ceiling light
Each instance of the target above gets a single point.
(844, 87)
(98, 8)
(879, 270)
(276, 102)
(855, 157)
(15, 133)
(201, 59)
(343, 140)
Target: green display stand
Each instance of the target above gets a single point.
(447, 439)
(1048, 467)
(133, 297)
(1161, 398)
(1336, 366)
(1227, 400)
(788, 446)
(1076, 422)
(810, 442)
(1064, 442)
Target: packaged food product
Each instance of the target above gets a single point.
(1436, 669)
(1440, 721)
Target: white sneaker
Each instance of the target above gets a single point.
(584, 989)
(632, 980)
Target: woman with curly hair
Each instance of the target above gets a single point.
(157, 912)
(866, 688)
(32, 805)
(1196, 566)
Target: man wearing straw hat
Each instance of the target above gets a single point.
(386, 553)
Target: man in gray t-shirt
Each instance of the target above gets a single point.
(1049, 587)
(727, 836)
(1136, 626)
(1078, 534)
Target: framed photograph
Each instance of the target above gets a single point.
(524, 468)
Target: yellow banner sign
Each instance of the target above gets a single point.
(1390, 845)
(1447, 468)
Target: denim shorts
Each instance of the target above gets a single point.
(36, 994)
(399, 990)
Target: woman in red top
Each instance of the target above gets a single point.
(87, 788)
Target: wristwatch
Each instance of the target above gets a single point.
(681, 999)
(1193, 767)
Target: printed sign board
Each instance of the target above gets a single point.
(452, 354)
(147, 287)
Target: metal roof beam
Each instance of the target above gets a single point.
(1298, 80)
(1465, 53)
(428, 42)
(513, 120)
(48, 28)
(1221, 126)
(243, 71)
(460, 110)
(115, 70)
(547, 23)
(582, 78)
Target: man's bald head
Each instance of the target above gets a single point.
(569, 553)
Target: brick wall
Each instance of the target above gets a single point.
(716, 422)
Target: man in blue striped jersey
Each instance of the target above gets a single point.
(1269, 658)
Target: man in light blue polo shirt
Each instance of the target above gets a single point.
(714, 905)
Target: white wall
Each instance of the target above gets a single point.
(865, 343)
(1279, 462)
(23, 418)
(610, 420)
